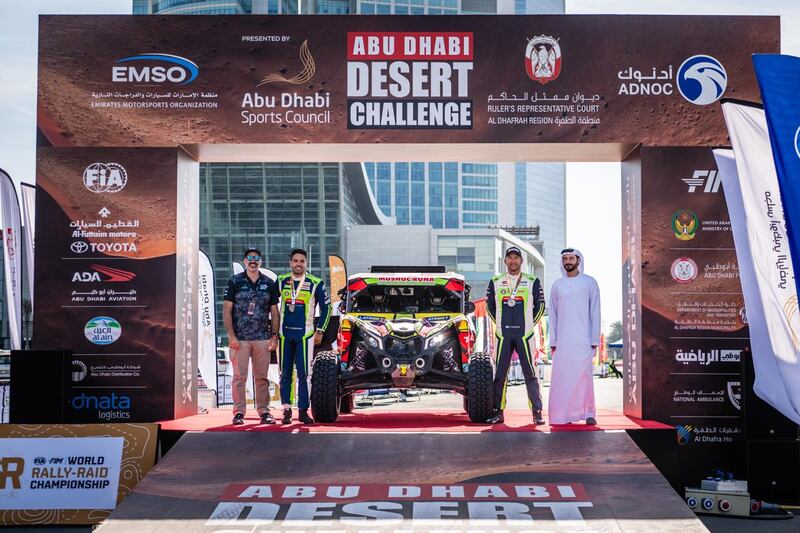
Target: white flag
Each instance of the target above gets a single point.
(12, 259)
(28, 192)
(207, 332)
(765, 264)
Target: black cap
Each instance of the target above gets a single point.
(513, 250)
(252, 249)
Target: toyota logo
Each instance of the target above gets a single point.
(79, 247)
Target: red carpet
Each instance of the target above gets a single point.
(382, 420)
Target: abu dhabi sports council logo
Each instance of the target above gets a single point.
(155, 68)
(105, 177)
(102, 330)
(685, 434)
(684, 270)
(543, 58)
(684, 224)
(302, 77)
(79, 370)
(702, 80)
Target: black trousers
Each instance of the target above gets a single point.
(505, 347)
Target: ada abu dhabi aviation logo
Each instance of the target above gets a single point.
(543, 58)
(702, 80)
(685, 224)
(112, 274)
(105, 177)
(684, 270)
(102, 330)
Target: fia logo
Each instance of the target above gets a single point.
(105, 177)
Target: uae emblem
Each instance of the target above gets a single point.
(543, 59)
(684, 270)
(684, 224)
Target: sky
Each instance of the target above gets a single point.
(593, 189)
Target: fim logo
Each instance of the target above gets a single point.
(11, 470)
(685, 434)
(709, 180)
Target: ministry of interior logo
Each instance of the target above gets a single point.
(543, 58)
(684, 225)
(684, 270)
(702, 80)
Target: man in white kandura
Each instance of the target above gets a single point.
(574, 336)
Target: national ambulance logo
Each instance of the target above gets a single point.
(684, 225)
(543, 59)
(684, 270)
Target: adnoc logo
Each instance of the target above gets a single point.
(156, 68)
(102, 330)
(702, 80)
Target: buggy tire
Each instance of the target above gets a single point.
(324, 401)
(347, 404)
(480, 390)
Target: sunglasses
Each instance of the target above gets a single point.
(253, 258)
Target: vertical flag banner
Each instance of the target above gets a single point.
(12, 260)
(28, 192)
(338, 272)
(756, 212)
(207, 332)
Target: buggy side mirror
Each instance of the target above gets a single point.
(469, 307)
(342, 307)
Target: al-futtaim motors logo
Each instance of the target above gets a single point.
(155, 68)
(543, 59)
(102, 330)
(684, 270)
(702, 80)
(105, 177)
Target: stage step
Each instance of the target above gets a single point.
(248, 481)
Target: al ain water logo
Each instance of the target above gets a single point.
(685, 224)
(309, 68)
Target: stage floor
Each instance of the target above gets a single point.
(239, 481)
(387, 419)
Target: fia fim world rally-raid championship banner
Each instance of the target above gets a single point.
(692, 323)
(111, 254)
(76, 474)
(305, 79)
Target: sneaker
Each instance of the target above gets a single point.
(591, 421)
(537, 417)
(497, 418)
(304, 418)
(266, 418)
(238, 419)
(287, 416)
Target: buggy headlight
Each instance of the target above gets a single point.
(371, 340)
(437, 339)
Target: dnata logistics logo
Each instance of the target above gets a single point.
(702, 79)
(102, 330)
(155, 68)
(105, 177)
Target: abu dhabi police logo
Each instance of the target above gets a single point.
(105, 177)
(102, 330)
(702, 80)
(684, 270)
(543, 58)
(684, 225)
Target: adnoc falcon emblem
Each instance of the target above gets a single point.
(543, 58)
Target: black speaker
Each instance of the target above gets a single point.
(761, 420)
(773, 471)
(39, 380)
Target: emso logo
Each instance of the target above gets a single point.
(112, 275)
(702, 80)
(155, 68)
